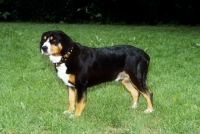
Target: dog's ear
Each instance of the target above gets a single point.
(66, 41)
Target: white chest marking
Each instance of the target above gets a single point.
(61, 70)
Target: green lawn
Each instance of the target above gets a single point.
(32, 98)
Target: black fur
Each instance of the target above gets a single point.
(92, 66)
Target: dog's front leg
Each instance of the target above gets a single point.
(81, 100)
(72, 99)
(72, 93)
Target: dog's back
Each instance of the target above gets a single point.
(81, 67)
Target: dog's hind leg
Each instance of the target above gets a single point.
(142, 70)
(124, 77)
(148, 95)
(149, 98)
(135, 94)
(133, 91)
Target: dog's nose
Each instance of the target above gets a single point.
(44, 48)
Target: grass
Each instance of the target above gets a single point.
(32, 98)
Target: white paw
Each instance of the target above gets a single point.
(148, 110)
(67, 112)
(134, 105)
(72, 116)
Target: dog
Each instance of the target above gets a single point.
(80, 67)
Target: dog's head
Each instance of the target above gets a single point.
(55, 43)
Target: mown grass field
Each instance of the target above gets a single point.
(32, 98)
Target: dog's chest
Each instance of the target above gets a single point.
(61, 71)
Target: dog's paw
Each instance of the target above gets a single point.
(67, 112)
(148, 110)
(134, 106)
(71, 114)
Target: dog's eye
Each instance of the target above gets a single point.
(45, 37)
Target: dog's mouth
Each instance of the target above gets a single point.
(45, 53)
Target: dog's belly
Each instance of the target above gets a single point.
(61, 72)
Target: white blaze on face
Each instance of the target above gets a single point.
(48, 45)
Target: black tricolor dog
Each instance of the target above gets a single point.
(81, 67)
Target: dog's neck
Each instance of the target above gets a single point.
(58, 60)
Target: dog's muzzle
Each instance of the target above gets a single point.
(44, 49)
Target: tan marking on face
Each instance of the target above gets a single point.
(72, 79)
(55, 49)
(60, 46)
(51, 37)
(45, 37)
(72, 99)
